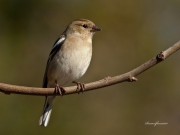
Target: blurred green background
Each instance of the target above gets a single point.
(133, 32)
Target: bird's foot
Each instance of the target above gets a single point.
(80, 86)
(59, 89)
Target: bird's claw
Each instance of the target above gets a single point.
(59, 89)
(80, 86)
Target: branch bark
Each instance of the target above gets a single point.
(126, 77)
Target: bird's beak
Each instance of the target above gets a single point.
(95, 28)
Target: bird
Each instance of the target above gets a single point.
(68, 61)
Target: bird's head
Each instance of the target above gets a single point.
(82, 27)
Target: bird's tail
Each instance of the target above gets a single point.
(45, 117)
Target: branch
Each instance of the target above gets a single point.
(127, 77)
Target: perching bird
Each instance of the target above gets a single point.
(68, 60)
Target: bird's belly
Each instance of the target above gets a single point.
(69, 67)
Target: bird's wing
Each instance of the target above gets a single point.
(57, 45)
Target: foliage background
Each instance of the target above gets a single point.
(133, 32)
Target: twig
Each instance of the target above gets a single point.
(127, 77)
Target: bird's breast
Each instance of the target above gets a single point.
(71, 62)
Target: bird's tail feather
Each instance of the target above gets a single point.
(45, 117)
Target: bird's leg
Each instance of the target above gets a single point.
(80, 86)
(59, 89)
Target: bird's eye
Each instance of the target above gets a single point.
(85, 26)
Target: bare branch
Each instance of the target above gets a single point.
(127, 77)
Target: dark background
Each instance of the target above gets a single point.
(133, 32)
